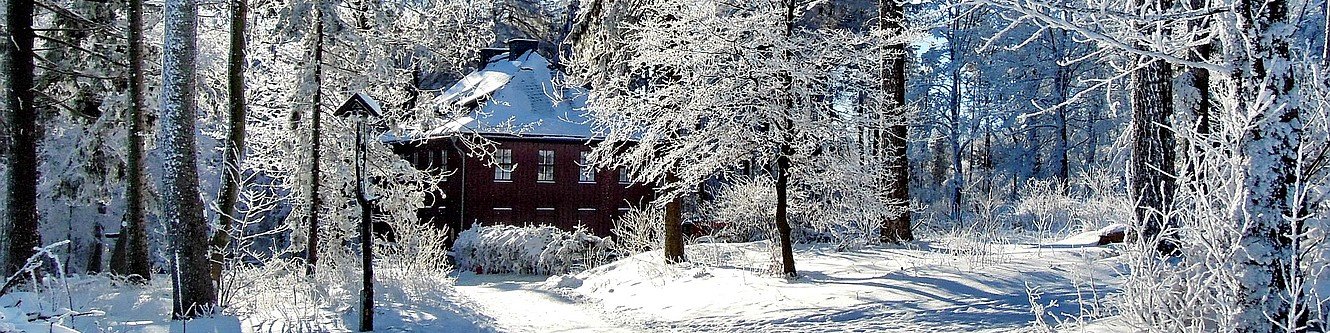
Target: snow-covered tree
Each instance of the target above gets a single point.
(710, 88)
(1260, 135)
(320, 53)
(234, 146)
(890, 133)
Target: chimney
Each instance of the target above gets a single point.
(520, 46)
(488, 53)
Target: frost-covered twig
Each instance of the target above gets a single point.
(34, 262)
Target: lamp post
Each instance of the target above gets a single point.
(360, 107)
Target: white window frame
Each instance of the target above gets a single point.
(545, 167)
(443, 160)
(503, 165)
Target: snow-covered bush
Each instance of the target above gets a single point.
(1044, 206)
(542, 250)
(1091, 201)
(639, 230)
(416, 261)
(745, 208)
(833, 207)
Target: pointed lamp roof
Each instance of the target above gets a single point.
(359, 104)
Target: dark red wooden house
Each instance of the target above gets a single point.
(538, 175)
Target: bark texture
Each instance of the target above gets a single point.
(1152, 159)
(182, 209)
(21, 235)
(896, 185)
(130, 255)
(234, 149)
(315, 136)
(673, 227)
(1267, 90)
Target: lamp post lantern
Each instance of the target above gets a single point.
(360, 107)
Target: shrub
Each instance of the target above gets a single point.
(639, 230)
(541, 250)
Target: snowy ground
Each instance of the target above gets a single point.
(522, 303)
(953, 286)
(925, 288)
(279, 305)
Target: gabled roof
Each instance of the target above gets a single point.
(360, 103)
(512, 95)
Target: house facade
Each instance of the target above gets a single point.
(539, 142)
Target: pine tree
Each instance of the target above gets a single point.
(1153, 182)
(182, 208)
(130, 254)
(1266, 86)
(21, 225)
(893, 141)
(234, 149)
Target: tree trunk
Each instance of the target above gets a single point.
(1153, 184)
(182, 209)
(1201, 109)
(130, 256)
(1266, 89)
(896, 185)
(1062, 86)
(1091, 136)
(673, 227)
(1152, 158)
(22, 230)
(954, 130)
(786, 130)
(235, 144)
(95, 253)
(315, 135)
(783, 215)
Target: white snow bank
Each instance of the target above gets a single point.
(729, 288)
(27, 312)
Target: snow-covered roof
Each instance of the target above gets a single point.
(511, 96)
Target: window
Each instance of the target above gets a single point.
(546, 166)
(584, 172)
(443, 160)
(504, 170)
(623, 176)
(428, 159)
(422, 159)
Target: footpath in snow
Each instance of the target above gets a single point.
(522, 303)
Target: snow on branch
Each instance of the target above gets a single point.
(1062, 17)
(34, 262)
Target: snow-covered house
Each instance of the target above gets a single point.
(542, 139)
